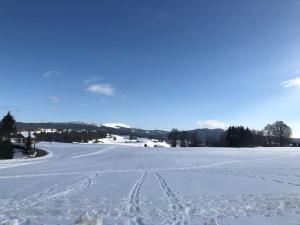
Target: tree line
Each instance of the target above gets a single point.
(276, 134)
(70, 136)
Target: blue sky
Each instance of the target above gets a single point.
(152, 64)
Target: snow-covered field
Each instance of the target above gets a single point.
(95, 184)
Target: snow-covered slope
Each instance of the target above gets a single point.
(116, 125)
(107, 184)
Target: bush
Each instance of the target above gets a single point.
(6, 150)
(28, 144)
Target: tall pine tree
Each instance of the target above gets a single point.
(8, 126)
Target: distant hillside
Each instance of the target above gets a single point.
(116, 125)
(209, 134)
(78, 126)
(296, 140)
(118, 129)
(59, 126)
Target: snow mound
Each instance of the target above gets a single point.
(116, 125)
(92, 218)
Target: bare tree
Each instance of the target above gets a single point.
(282, 133)
(278, 133)
(268, 133)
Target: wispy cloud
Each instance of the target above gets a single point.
(51, 73)
(104, 89)
(54, 99)
(211, 124)
(53, 108)
(93, 79)
(292, 83)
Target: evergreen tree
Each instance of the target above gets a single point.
(194, 139)
(8, 125)
(239, 137)
(6, 150)
(173, 137)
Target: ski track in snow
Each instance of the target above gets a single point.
(62, 190)
(260, 177)
(177, 210)
(134, 200)
(197, 167)
(93, 153)
(63, 193)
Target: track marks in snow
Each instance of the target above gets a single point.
(177, 210)
(93, 153)
(134, 200)
(62, 190)
(267, 177)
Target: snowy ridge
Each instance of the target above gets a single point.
(117, 125)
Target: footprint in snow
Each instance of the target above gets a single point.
(89, 219)
(211, 222)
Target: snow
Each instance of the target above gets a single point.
(114, 184)
(11, 222)
(116, 125)
(124, 140)
(89, 219)
(25, 134)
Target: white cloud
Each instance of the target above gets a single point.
(53, 108)
(51, 73)
(211, 124)
(54, 99)
(104, 89)
(292, 83)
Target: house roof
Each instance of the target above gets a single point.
(25, 134)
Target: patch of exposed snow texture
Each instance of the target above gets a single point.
(125, 140)
(11, 222)
(100, 184)
(116, 125)
(92, 218)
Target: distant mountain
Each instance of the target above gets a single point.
(111, 128)
(116, 125)
(58, 126)
(118, 129)
(206, 134)
(296, 140)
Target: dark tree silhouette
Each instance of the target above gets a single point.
(8, 126)
(278, 134)
(28, 143)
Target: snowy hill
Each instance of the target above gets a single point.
(116, 125)
(117, 129)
